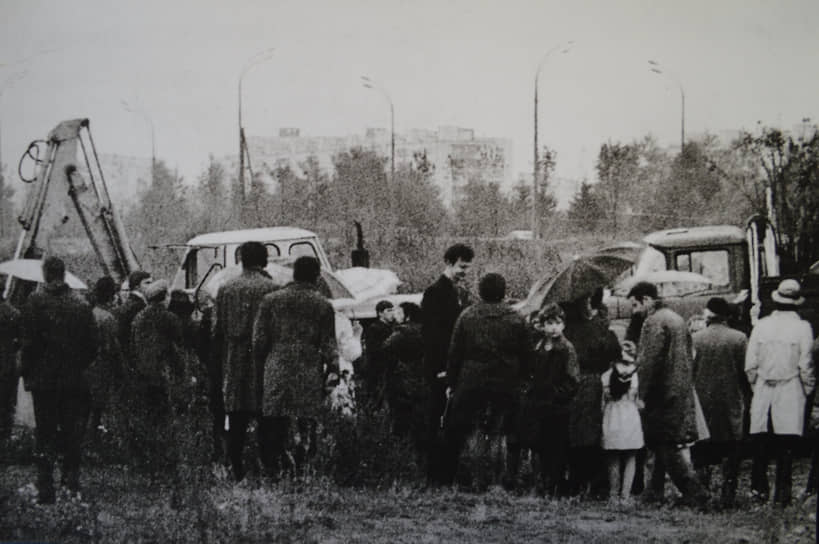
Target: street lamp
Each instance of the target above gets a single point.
(256, 59)
(563, 48)
(142, 113)
(655, 67)
(369, 84)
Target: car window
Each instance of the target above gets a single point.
(301, 249)
(714, 265)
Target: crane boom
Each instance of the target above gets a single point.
(59, 179)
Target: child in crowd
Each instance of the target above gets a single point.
(548, 390)
(622, 428)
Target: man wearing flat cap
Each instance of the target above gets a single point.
(780, 370)
(720, 382)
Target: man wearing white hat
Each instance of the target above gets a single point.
(780, 370)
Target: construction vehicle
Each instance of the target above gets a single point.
(64, 180)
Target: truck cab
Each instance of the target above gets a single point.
(208, 253)
(717, 254)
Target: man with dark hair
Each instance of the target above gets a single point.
(664, 360)
(489, 354)
(720, 382)
(294, 341)
(138, 281)
(780, 369)
(237, 303)
(9, 343)
(373, 370)
(59, 341)
(441, 305)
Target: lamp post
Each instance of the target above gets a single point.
(369, 84)
(256, 59)
(142, 113)
(536, 167)
(655, 67)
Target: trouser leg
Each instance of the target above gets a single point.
(435, 446)
(730, 473)
(275, 436)
(784, 466)
(759, 467)
(681, 471)
(657, 483)
(638, 485)
(237, 429)
(45, 435)
(73, 415)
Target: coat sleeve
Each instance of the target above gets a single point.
(568, 386)
(329, 345)
(455, 355)
(751, 359)
(806, 368)
(740, 349)
(261, 331)
(30, 343)
(649, 353)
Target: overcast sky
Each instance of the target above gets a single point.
(467, 63)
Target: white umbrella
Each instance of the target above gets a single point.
(32, 270)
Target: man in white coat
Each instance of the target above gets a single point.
(780, 370)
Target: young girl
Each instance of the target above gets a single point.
(622, 428)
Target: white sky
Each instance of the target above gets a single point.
(468, 63)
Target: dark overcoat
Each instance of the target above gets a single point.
(9, 340)
(294, 337)
(664, 360)
(547, 393)
(59, 340)
(237, 303)
(720, 381)
(441, 305)
(125, 314)
(596, 346)
(405, 353)
(106, 371)
(156, 337)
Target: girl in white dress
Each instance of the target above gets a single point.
(622, 428)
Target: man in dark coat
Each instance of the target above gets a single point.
(722, 387)
(59, 341)
(156, 336)
(373, 372)
(294, 338)
(105, 375)
(9, 343)
(441, 305)
(237, 304)
(664, 359)
(125, 313)
(489, 354)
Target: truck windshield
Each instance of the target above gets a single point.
(714, 265)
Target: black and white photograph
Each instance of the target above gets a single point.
(409, 271)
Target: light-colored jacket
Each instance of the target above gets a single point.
(780, 370)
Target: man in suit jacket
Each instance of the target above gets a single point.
(441, 305)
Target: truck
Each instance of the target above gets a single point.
(356, 290)
(742, 266)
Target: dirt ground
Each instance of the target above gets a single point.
(120, 506)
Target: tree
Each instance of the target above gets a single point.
(7, 219)
(361, 192)
(213, 206)
(162, 214)
(584, 210)
(419, 208)
(617, 168)
(480, 209)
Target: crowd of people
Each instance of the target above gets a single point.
(558, 383)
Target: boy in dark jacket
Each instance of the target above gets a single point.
(548, 389)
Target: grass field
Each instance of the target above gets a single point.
(120, 506)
